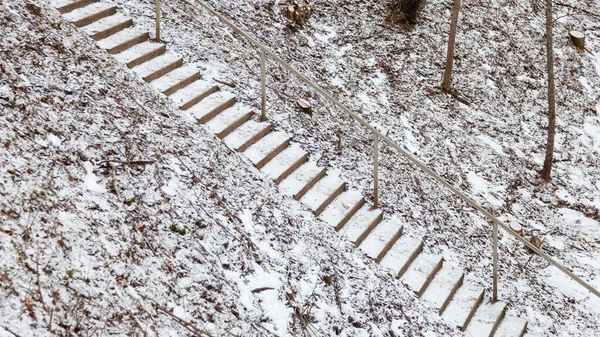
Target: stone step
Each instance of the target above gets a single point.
(381, 239)
(443, 287)
(463, 305)
(402, 253)
(261, 152)
(211, 106)
(361, 224)
(65, 6)
(302, 180)
(190, 95)
(421, 272)
(86, 15)
(229, 120)
(323, 193)
(285, 163)
(141, 53)
(486, 319)
(511, 327)
(246, 135)
(176, 79)
(342, 209)
(123, 40)
(108, 26)
(158, 67)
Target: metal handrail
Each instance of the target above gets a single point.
(377, 135)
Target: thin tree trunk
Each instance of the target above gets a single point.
(547, 170)
(451, 38)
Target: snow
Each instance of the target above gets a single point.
(513, 116)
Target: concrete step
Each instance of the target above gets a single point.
(65, 6)
(443, 287)
(108, 26)
(123, 40)
(141, 53)
(176, 79)
(261, 152)
(190, 95)
(158, 66)
(402, 253)
(212, 105)
(421, 272)
(486, 319)
(246, 135)
(381, 239)
(302, 180)
(285, 163)
(229, 120)
(323, 193)
(342, 208)
(88, 14)
(361, 224)
(463, 305)
(511, 327)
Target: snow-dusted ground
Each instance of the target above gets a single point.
(195, 237)
(65, 116)
(492, 148)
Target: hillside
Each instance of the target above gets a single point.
(118, 215)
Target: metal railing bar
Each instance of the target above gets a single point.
(395, 146)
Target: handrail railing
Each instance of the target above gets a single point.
(377, 135)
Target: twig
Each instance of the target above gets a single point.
(10, 331)
(229, 84)
(185, 324)
(129, 162)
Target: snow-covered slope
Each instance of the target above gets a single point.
(119, 217)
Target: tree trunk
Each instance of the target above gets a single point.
(451, 38)
(547, 170)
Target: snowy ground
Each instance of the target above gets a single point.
(491, 148)
(188, 236)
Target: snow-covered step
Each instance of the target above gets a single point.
(229, 120)
(511, 327)
(361, 224)
(342, 208)
(93, 12)
(108, 26)
(463, 305)
(65, 6)
(486, 319)
(421, 272)
(261, 152)
(402, 253)
(246, 135)
(302, 180)
(193, 93)
(443, 287)
(212, 105)
(381, 239)
(285, 163)
(158, 66)
(323, 193)
(176, 79)
(122, 40)
(141, 53)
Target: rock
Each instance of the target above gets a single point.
(34, 8)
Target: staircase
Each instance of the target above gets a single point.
(439, 284)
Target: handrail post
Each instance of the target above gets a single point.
(263, 83)
(376, 170)
(157, 20)
(495, 261)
